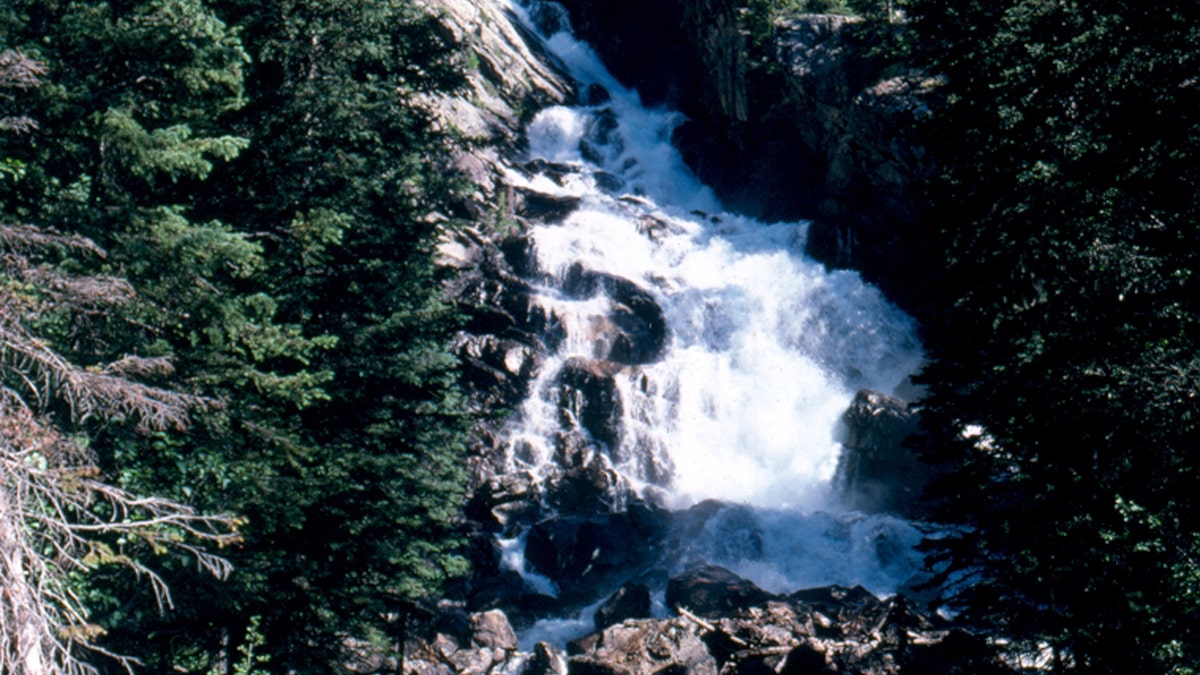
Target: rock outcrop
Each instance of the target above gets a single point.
(876, 471)
(509, 77)
(686, 54)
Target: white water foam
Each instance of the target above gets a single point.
(765, 352)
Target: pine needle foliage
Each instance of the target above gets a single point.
(1063, 372)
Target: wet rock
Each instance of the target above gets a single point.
(590, 488)
(601, 135)
(506, 588)
(635, 331)
(596, 95)
(608, 182)
(555, 171)
(715, 530)
(518, 252)
(583, 555)
(588, 397)
(494, 301)
(876, 472)
(631, 601)
(712, 590)
(545, 208)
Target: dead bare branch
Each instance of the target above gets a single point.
(26, 239)
(58, 519)
(18, 71)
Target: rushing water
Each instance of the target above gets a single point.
(764, 349)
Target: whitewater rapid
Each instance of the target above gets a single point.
(765, 347)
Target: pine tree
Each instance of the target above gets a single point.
(344, 178)
(131, 125)
(60, 519)
(1062, 376)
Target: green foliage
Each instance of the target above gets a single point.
(249, 660)
(1066, 220)
(268, 189)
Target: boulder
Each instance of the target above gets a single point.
(711, 590)
(505, 500)
(583, 555)
(635, 330)
(497, 369)
(545, 208)
(547, 661)
(588, 398)
(491, 630)
(876, 472)
(631, 601)
(590, 487)
(649, 646)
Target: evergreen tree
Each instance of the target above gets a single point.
(61, 520)
(1063, 375)
(344, 180)
(130, 126)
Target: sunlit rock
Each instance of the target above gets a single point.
(491, 630)
(637, 647)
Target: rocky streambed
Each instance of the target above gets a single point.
(722, 624)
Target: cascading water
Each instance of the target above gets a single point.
(729, 356)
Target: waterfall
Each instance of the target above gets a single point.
(724, 357)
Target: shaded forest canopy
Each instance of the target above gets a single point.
(218, 288)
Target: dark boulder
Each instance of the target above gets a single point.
(582, 556)
(588, 397)
(591, 487)
(497, 370)
(631, 601)
(546, 208)
(596, 95)
(711, 591)
(502, 501)
(635, 331)
(876, 472)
